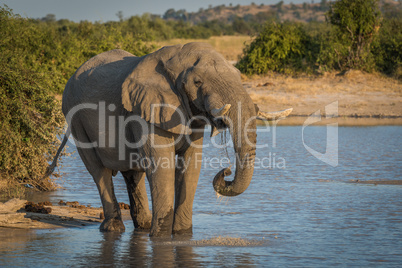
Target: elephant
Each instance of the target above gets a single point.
(145, 117)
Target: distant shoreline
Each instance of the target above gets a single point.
(299, 120)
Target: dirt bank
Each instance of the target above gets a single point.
(372, 98)
(14, 215)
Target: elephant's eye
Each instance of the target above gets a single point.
(197, 82)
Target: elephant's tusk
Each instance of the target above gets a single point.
(221, 111)
(215, 131)
(273, 115)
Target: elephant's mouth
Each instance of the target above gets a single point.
(219, 123)
(206, 118)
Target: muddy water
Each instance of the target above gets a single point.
(298, 211)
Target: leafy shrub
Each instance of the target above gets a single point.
(355, 26)
(353, 39)
(279, 47)
(30, 119)
(36, 59)
(56, 49)
(387, 49)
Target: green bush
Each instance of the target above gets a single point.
(283, 48)
(36, 60)
(56, 49)
(353, 39)
(30, 119)
(387, 49)
(355, 26)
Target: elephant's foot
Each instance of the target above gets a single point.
(162, 227)
(160, 234)
(182, 224)
(183, 231)
(142, 223)
(112, 225)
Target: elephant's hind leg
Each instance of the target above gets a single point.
(139, 206)
(111, 209)
(103, 179)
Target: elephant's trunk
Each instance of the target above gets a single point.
(244, 136)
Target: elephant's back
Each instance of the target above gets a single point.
(108, 59)
(99, 77)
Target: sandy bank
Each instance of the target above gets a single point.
(13, 215)
(362, 99)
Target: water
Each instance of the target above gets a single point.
(298, 211)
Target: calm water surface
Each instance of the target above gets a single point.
(298, 211)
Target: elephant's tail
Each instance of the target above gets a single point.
(52, 166)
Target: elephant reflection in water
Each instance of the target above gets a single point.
(141, 251)
(121, 108)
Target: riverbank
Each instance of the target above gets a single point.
(359, 98)
(15, 214)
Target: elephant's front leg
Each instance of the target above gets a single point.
(139, 206)
(187, 174)
(161, 178)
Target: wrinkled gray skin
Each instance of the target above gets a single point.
(194, 78)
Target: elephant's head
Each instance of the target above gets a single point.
(199, 82)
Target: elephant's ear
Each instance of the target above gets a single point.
(147, 92)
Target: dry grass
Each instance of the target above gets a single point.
(9, 189)
(3, 185)
(353, 81)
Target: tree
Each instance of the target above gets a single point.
(169, 14)
(387, 49)
(240, 26)
(356, 25)
(120, 15)
(49, 18)
(324, 5)
(305, 6)
(279, 6)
